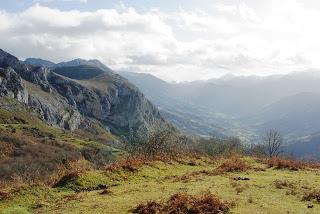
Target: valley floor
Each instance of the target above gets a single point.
(258, 189)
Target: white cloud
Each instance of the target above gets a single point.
(46, 1)
(181, 45)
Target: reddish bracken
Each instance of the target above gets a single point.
(182, 203)
(234, 165)
(130, 163)
(279, 163)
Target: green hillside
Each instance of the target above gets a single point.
(243, 184)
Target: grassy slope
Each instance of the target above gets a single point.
(29, 144)
(158, 181)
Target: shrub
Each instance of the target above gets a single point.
(233, 165)
(32, 161)
(99, 157)
(182, 203)
(280, 163)
(219, 147)
(158, 141)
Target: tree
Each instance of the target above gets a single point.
(156, 140)
(272, 141)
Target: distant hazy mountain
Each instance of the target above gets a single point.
(177, 104)
(294, 116)
(307, 147)
(245, 106)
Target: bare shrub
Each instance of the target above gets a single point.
(97, 156)
(158, 141)
(218, 147)
(272, 141)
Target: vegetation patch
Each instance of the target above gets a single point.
(280, 163)
(129, 163)
(280, 184)
(234, 164)
(182, 203)
(314, 195)
(238, 187)
(195, 174)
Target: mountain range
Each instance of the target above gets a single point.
(72, 94)
(242, 106)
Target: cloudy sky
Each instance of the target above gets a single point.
(177, 40)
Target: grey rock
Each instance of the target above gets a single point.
(64, 102)
(11, 85)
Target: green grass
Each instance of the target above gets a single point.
(158, 181)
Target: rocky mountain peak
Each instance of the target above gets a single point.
(67, 100)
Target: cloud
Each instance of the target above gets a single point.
(181, 45)
(46, 1)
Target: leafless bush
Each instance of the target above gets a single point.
(157, 141)
(272, 141)
(217, 147)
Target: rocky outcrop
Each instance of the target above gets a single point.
(64, 102)
(11, 85)
(30, 85)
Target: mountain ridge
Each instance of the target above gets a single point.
(71, 101)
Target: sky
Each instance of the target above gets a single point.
(176, 40)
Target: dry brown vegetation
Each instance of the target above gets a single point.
(280, 184)
(196, 174)
(279, 163)
(182, 203)
(313, 195)
(132, 163)
(290, 164)
(33, 161)
(234, 164)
